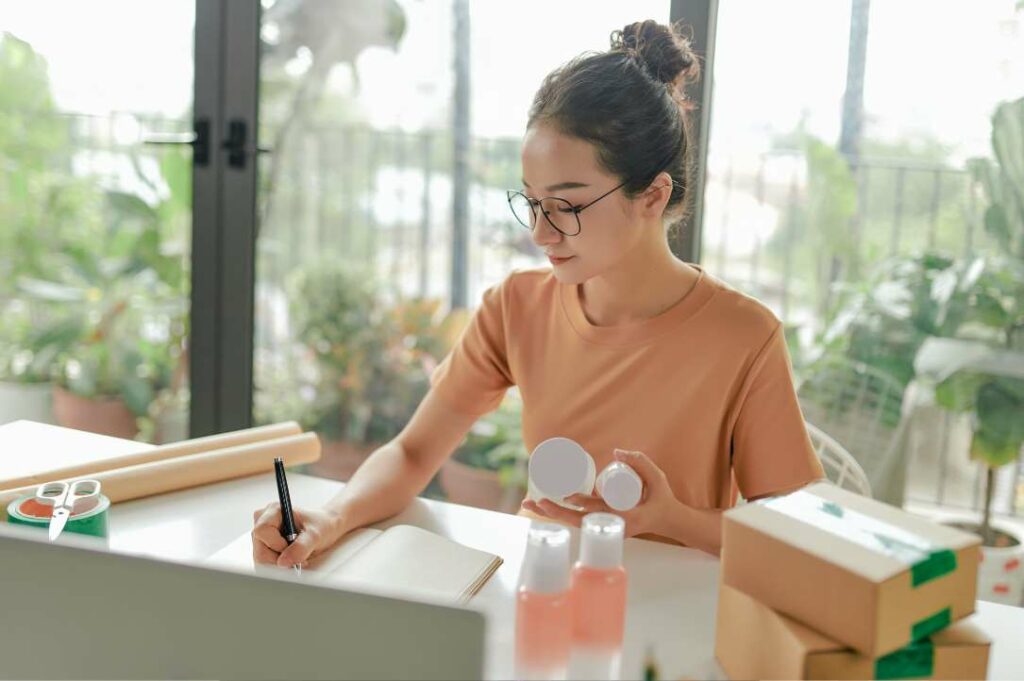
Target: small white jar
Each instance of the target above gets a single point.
(620, 486)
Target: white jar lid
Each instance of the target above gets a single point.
(559, 467)
(620, 486)
(546, 564)
(601, 537)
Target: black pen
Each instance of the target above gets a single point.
(288, 530)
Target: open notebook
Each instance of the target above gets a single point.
(400, 556)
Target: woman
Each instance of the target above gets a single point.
(619, 345)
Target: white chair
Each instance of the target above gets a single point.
(859, 406)
(840, 466)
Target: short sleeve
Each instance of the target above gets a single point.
(475, 375)
(771, 451)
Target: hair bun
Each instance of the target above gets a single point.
(663, 51)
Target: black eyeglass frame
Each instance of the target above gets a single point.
(576, 210)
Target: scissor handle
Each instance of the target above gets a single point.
(61, 494)
(52, 493)
(83, 489)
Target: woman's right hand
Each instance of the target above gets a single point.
(318, 531)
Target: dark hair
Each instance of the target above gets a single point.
(630, 103)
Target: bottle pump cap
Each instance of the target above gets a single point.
(546, 564)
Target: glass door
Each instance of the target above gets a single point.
(95, 214)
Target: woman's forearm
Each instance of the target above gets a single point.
(384, 485)
(694, 527)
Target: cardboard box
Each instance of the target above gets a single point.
(752, 641)
(859, 571)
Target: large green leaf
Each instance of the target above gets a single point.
(959, 392)
(999, 429)
(126, 205)
(137, 394)
(996, 223)
(989, 310)
(85, 262)
(61, 334)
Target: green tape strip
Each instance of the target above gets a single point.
(935, 565)
(914, 661)
(929, 625)
(927, 561)
(93, 522)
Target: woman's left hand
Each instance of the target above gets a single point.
(649, 516)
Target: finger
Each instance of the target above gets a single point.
(560, 513)
(589, 504)
(301, 549)
(258, 513)
(261, 555)
(270, 537)
(532, 506)
(271, 515)
(641, 463)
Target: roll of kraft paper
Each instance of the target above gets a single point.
(28, 511)
(183, 472)
(161, 453)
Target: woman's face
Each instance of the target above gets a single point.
(558, 165)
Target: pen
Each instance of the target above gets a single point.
(288, 530)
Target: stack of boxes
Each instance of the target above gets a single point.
(826, 584)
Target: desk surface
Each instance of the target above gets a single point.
(672, 590)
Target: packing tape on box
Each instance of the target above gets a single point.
(925, 560)
(929, 625)
(914, 661)
(28, 511)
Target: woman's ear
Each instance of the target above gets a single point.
(656, 196)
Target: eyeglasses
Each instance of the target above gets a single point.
(559, 213)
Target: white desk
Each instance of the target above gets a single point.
(672, 590)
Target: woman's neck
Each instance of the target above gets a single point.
(648, 281)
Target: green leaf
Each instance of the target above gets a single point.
(989, 311)
(994, 449)
(999, 431)
(130, 206)
(996, 224)
(59, 335)
(959, 391)
(85, 262)
(137, 394)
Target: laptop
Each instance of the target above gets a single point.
(73, 609)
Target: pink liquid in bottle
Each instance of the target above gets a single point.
(543, 631)
(543, 606)
(599, 598)
(599, 606)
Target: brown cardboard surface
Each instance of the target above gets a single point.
(752, 641)
(839, 587)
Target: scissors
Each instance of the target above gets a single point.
(78, 497)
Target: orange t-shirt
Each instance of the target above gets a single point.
(705, 389)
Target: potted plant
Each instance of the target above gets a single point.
(981, 374)
(100, 385)
(336, 320)
(117, 326)
(365, 360)
(996, 406)
(489, 469)
(26, 360)
(995, 399)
